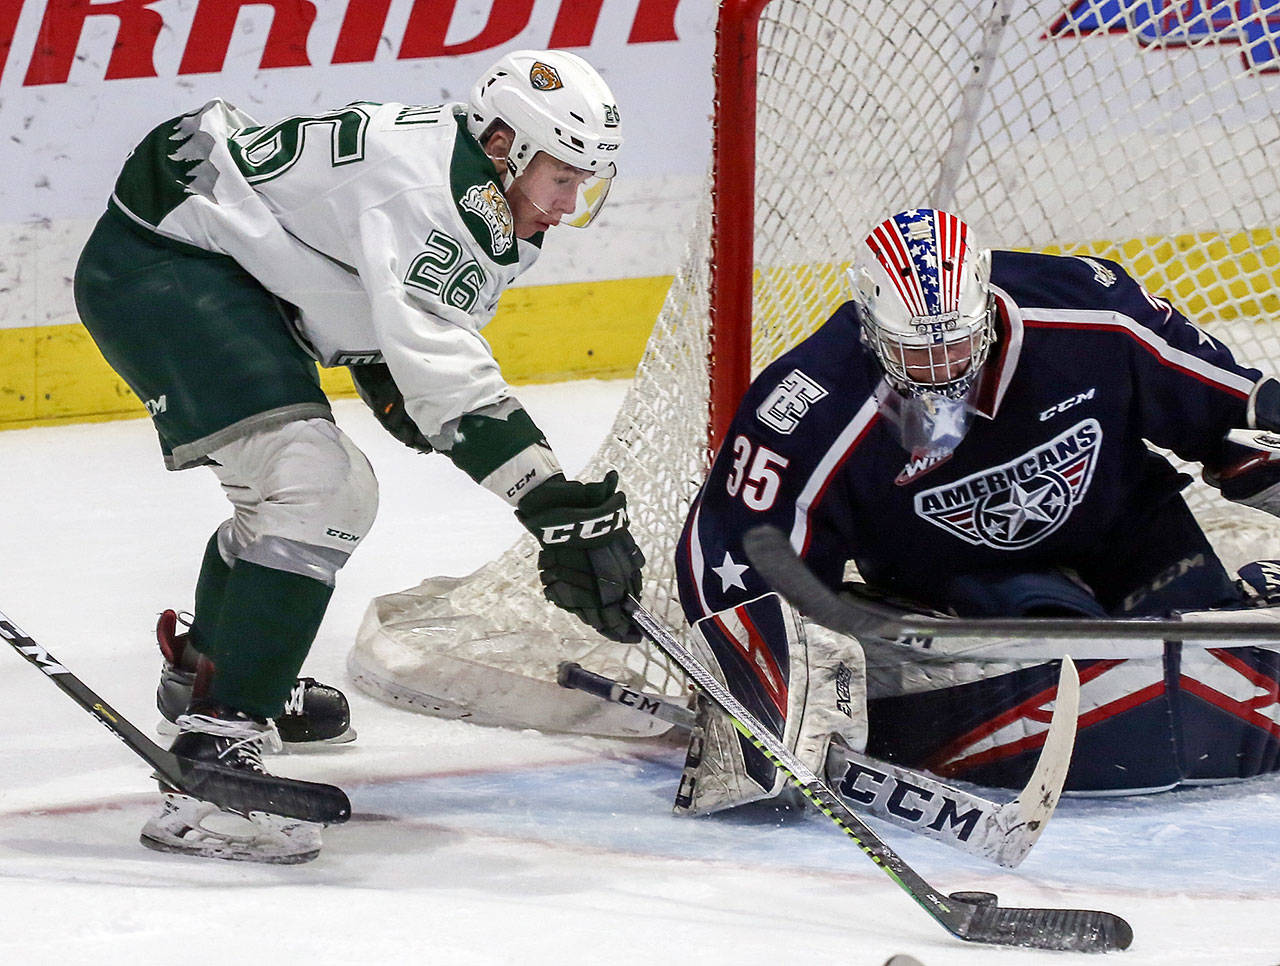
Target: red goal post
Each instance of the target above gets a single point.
(733, 160)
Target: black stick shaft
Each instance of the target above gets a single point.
(771, 553)
(570, 674)
(241, 791)
(83, 695)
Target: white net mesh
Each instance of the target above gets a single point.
(1139, 130)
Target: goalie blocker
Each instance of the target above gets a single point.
(803, 681)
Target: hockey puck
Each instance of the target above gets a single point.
(977, 898)
(902, 959)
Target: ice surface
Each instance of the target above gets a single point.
(476, 845)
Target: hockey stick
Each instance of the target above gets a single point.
(974, 917)
(1001, 833)
(240, 791)
(572, 675)
(771, 553)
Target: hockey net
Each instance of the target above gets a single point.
(1139, 130)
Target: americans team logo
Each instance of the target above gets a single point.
(1020, 502)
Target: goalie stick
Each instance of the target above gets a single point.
(974, 917)
(771, 553)
(1001, 833)
(239, 791)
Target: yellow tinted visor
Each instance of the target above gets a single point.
(591, 198)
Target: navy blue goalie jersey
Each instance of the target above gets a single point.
(1053, 472)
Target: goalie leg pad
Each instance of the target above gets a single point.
(1226, 718)
(983, 720)
(804, 683)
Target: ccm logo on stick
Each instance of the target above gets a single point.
(34, 652)
(909, 802)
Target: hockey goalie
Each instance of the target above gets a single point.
(970, 430)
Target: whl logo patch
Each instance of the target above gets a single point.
(1020, 502)
(917, 467)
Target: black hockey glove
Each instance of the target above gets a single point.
(381, 394)
(589, 563)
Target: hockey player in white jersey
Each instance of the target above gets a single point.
(232, 257)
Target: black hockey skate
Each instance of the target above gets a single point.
(314, 714)
(189, 826)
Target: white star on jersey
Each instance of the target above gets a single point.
(1026, 505)
(730, 573)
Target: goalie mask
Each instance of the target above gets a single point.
(557, 103)
(921, 288)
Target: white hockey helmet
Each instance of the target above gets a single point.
(555, 102)
(923, 293)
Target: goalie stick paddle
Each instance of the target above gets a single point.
(976, 918)
(1002, 833)
(771, 553)
(237, 790)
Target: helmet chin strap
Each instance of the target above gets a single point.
(508, 173)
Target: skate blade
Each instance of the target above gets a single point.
(228, 852)
(168, 729)
(189, 826)
(319, 744)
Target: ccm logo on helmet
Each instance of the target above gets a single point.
(586, 529)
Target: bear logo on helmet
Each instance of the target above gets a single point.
(544, 77)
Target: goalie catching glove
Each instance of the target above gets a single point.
(589, 562)
(1253, 480)
(1251, 477)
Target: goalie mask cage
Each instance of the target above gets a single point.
(1138, 130)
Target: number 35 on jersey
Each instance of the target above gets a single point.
(755, 475)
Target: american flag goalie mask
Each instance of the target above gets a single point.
(922, 290)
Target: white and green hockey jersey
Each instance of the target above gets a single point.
(385, 225)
